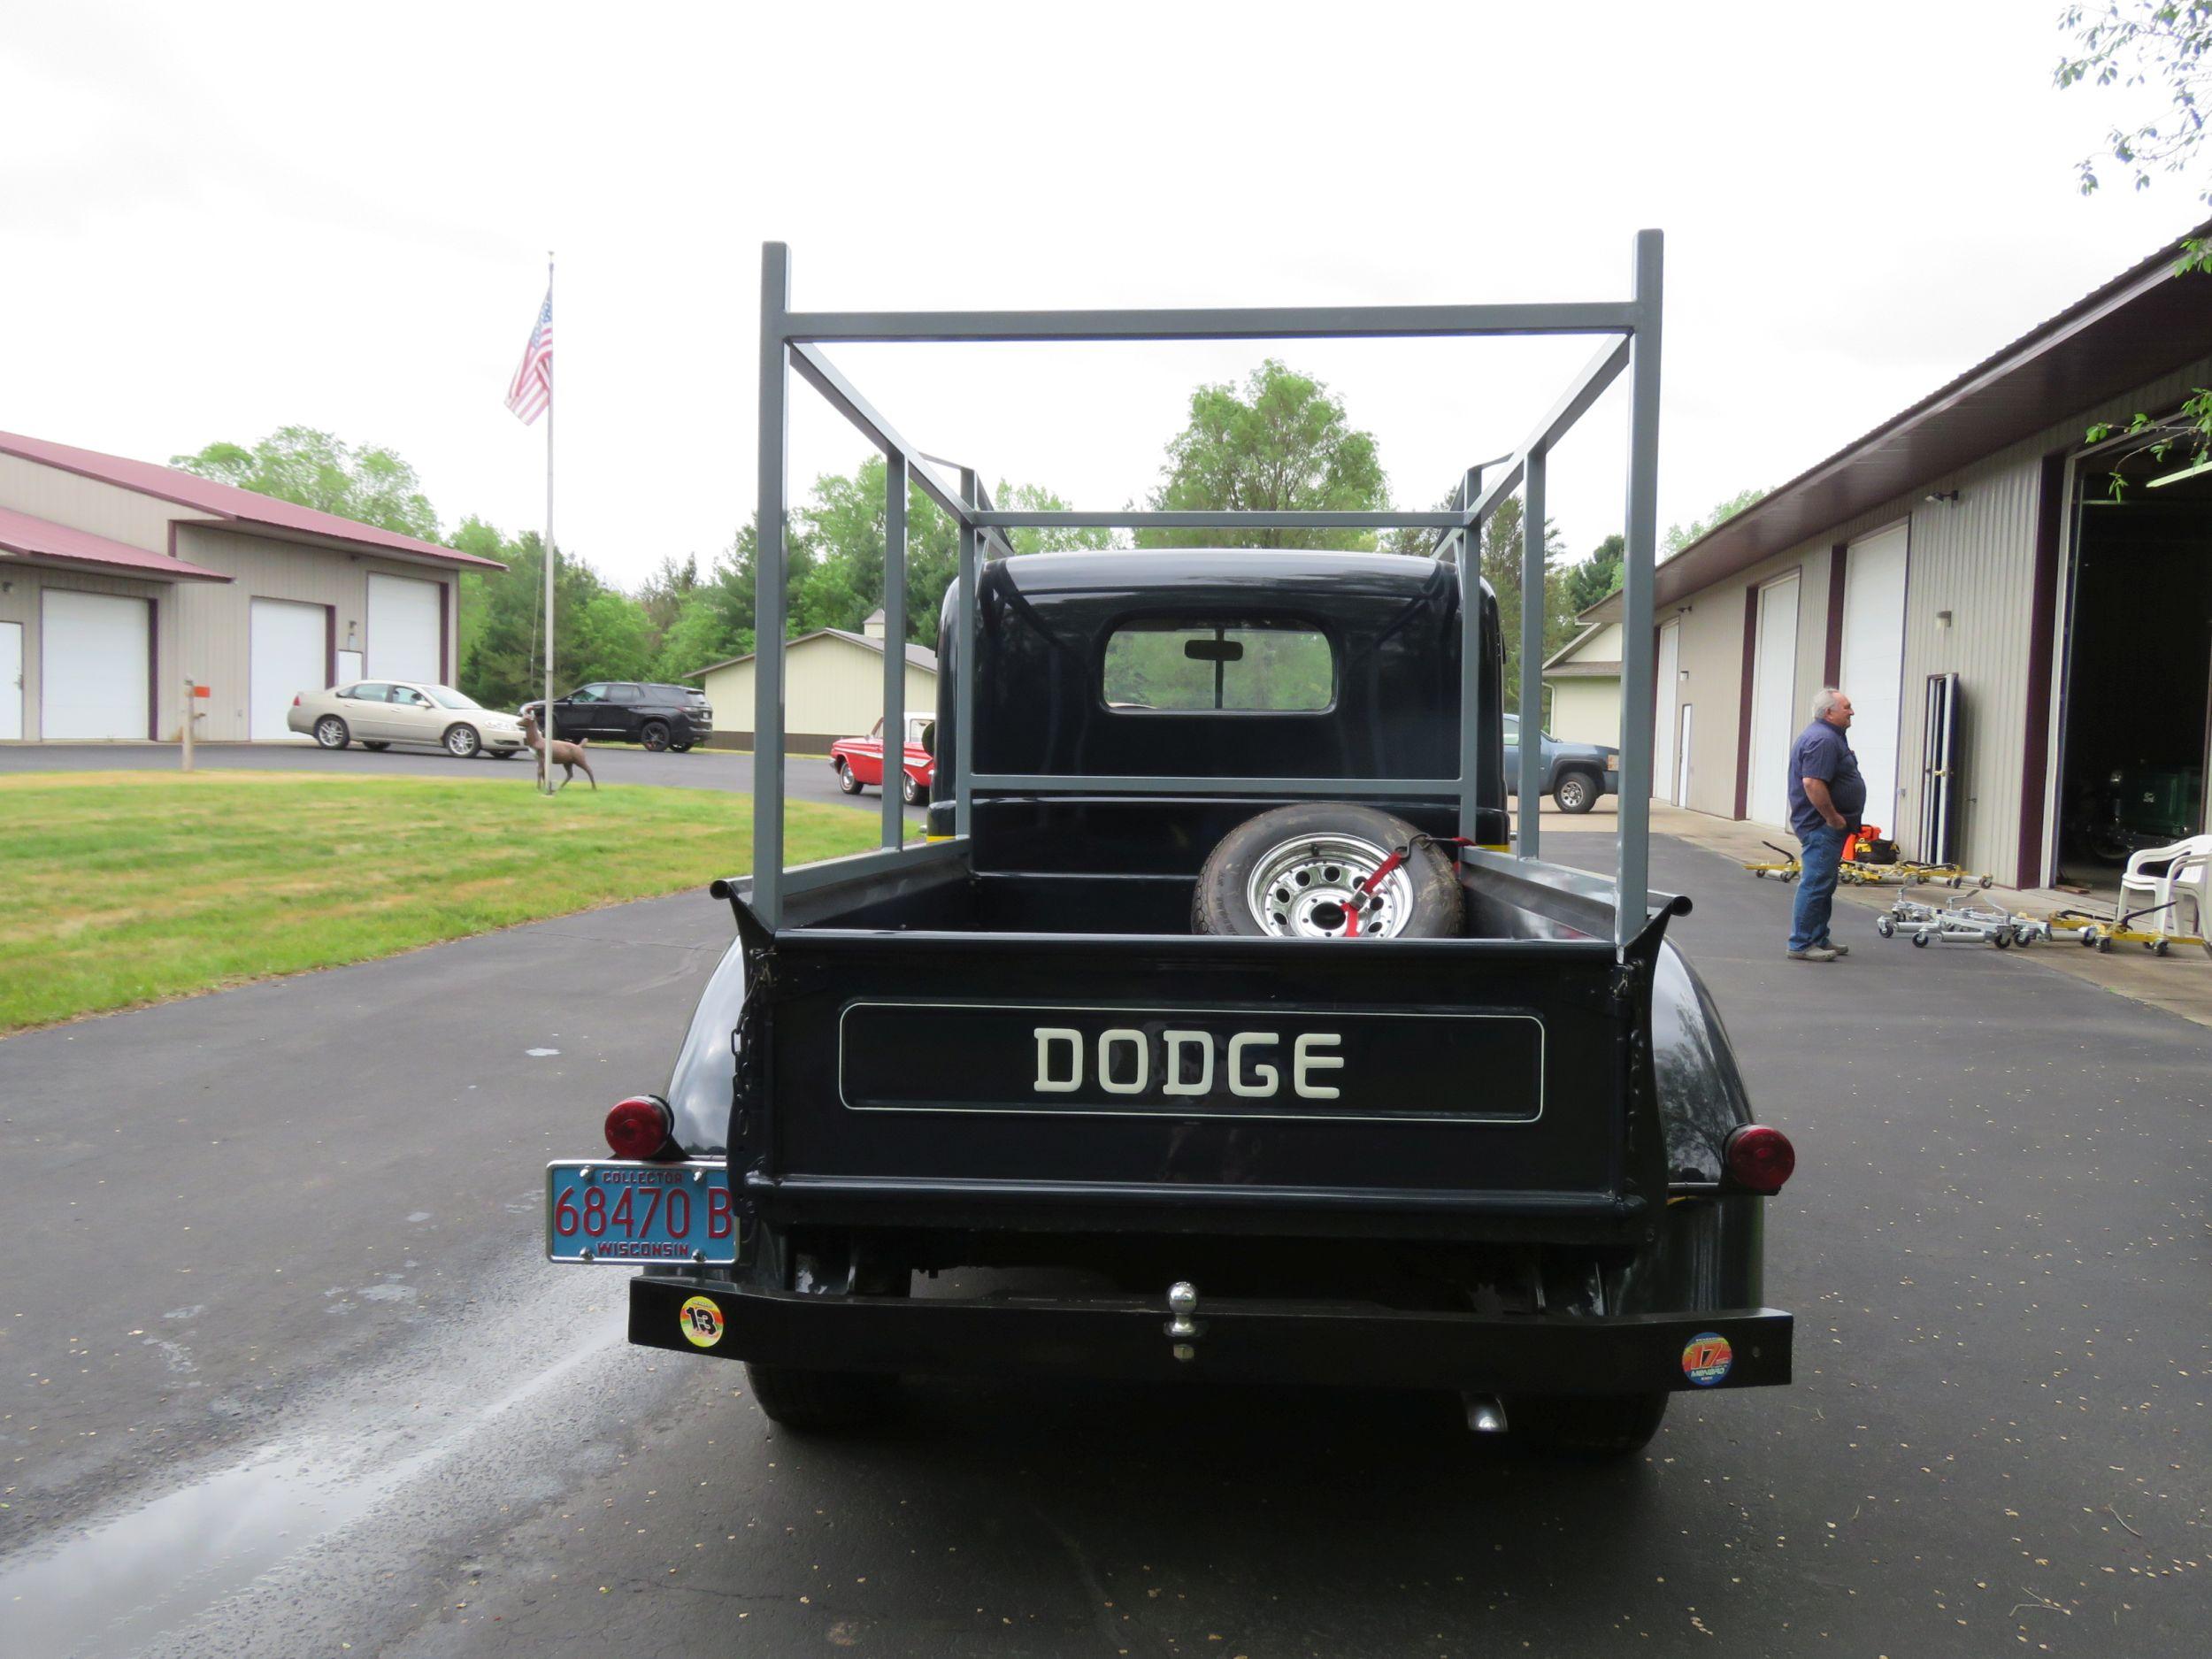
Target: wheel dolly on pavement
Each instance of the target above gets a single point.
(2097, 932)
(1962, 920)
(1786, 867)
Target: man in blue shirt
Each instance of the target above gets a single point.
(1827, 796)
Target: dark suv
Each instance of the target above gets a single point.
(633, 711)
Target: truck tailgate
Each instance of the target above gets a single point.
(1467, 1088)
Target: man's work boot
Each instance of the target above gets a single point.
(1815, 953)
(1830, 944)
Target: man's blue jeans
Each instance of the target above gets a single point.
(1823, 854)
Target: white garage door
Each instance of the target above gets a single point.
(93, 672)
(403, 630)
(1874, 665)
(11, 680)
(289, 656)
(1773, 696)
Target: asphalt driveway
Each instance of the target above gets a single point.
(284, 1349)
(804, 779)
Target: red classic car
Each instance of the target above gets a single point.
(859, 761)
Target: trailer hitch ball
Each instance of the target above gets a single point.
(1182, 1329)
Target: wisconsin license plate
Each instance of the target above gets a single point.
(611, 1210)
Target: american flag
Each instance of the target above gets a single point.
(532, 394)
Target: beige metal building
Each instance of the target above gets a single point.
(833, 687)
(1584, 680)
(2020, 645)
(123, 583)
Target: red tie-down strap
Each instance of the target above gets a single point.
(1363, 897)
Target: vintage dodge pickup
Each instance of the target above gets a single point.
(1218, 1033)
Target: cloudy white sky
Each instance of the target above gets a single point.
(219, 220)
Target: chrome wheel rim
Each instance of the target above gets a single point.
(1304, 889)
(1570, 792)
(326, 731)
(462, 742)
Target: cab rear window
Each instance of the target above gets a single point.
(1179, 666)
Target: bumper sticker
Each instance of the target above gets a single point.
(1706, 1358)
(701, 1320)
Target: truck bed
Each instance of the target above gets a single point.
(953, 1049)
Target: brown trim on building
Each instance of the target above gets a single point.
(1832, 658)
(2035, 749)
(797, 745)
(153, 676)
(1658, 634)
(330, 647)
(1743, 706)
(445, 631)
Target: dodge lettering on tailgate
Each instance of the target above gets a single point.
(1192, 1062)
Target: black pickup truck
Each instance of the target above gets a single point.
(1186, 1083)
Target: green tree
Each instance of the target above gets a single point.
(664, 591)
(504, 650)
(610, 638)
(1283, 443)
(837, 543)
(2129, 43)
(1597, 576)
(2167, 43)
(714, 621)
(313, 468)
(1679, 536)
(1501, 550)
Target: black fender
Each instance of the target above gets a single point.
(1701, 1094)
(701, 1086)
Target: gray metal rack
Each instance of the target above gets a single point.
(792, 341)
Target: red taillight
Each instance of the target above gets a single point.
(1758, 1158)
(638, 1128)
(296, 699)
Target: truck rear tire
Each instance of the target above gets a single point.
(1292, 872)
(1577, 792)
(1588, 1428)
(819, 1402)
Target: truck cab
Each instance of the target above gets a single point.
(1382, 1105)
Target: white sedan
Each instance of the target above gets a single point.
(378, 713)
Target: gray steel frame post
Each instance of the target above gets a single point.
(1636, 646)
(1470, 657)
(894, 648)
(1534, 601)
(768, 585)
(965, 665)
(790, 341)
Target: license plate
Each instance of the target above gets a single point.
(615, 1210)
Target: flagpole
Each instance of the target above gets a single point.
(545, 748)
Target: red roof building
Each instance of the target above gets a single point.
(123, 583)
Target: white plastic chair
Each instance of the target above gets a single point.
(2187, 881)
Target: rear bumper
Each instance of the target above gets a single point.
(1339, 1345)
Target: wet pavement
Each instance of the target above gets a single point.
(289, 1377)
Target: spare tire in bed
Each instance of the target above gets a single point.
(1292, 873)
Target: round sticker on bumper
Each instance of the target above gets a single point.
(701, 1318)
(1706, 1358)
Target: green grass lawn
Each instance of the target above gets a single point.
(131, 888)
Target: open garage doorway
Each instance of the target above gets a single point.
(2136, 716)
